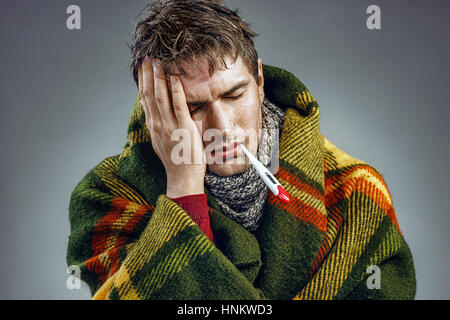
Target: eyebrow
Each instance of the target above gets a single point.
(227, 93)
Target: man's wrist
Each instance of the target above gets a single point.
(182, 189)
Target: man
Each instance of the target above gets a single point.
(145, 226)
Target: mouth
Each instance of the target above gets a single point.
(225, 152)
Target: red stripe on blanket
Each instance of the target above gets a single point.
(109, 236)
(299, 184)
(374, 194)
(102, 230)
(302, 211)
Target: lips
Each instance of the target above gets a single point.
(227, 151)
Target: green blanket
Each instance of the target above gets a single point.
(338, 238)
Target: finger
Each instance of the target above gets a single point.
(180, 107)
(141, 96)
(148, 90)
(162, 97)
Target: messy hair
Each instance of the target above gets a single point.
(176, 31)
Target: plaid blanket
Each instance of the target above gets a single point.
(338, 238)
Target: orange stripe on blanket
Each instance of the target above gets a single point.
(114, 257)
(374, 194)
(330, 180)
(101, 234)
(391, 214)
(302, 211)
(138, 213)
(326, 168)
(335, 217)
(299, 184)
(94, 265)
(319, 258)
(343, 192)
(103, 237)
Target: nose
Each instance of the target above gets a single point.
(221, 117)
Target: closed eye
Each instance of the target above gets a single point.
(198, 108)
(233, 97)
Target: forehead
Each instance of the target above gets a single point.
(199, 85)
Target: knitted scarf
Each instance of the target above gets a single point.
(131, 241)
(242, 196)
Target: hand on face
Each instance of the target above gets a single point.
(166, 112)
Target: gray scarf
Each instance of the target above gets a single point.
(242, 196)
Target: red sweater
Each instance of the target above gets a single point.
(197, 208)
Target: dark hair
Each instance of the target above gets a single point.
(184, 30)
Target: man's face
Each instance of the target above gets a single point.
(226, 105)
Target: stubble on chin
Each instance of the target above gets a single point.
(228, 170)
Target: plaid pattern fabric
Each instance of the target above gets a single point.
(132, 242)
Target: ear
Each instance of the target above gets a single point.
(261, 80)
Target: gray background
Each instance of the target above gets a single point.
(66, 97)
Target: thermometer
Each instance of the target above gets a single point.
(273, 184)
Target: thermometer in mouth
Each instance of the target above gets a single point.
(273, 184)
